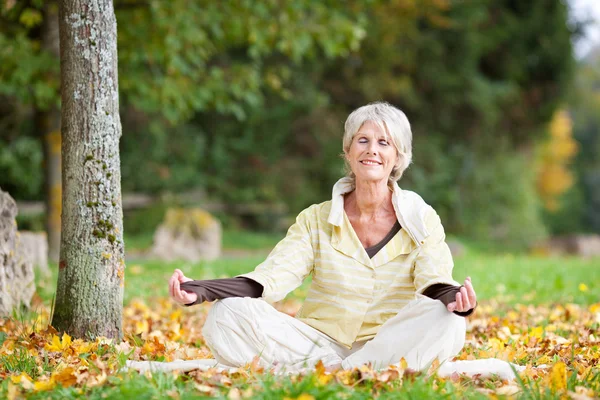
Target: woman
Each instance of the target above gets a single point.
(382, 286)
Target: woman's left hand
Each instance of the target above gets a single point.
(466, 299)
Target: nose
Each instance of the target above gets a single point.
(372, 149)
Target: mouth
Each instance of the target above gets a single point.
(370, 162)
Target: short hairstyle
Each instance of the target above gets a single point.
(393, 122)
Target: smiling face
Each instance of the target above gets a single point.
(372, 155)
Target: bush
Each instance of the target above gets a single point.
(483, 194)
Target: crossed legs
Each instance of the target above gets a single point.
(239, 329)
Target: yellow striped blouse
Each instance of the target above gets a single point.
(352, 295)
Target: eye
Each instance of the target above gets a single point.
(362, 140)
(383, 142)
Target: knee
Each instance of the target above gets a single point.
(445, 321)
(229, 330)
(227, 312)
(452, 323)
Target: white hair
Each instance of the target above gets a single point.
(392, 121)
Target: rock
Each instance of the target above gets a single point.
(187, 234)
(17, 284)
(586, 246)
(35, 248)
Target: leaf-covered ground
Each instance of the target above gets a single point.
(559, 344)
(535, 311)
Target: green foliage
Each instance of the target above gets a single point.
(31, 222)
(573, 216)
(29, 74)
(179, 57)
(492, 194)
(247, 100)
(158, 157)
(581, 211)
(487, 194)
(21, 166)
(144, 221)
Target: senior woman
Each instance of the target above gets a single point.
(382, 286)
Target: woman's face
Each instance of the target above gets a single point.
(372, 155)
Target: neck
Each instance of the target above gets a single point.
(371, 198)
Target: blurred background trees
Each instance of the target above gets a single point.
(246, 101)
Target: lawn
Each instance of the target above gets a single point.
(535, 311)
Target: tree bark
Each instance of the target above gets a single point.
(89, 297)
(48, 126)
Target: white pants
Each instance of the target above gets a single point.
(239, 329)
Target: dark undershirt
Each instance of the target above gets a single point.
(216, 289)
(371, 251)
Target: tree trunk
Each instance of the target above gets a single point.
(48, 127)
(89, 297)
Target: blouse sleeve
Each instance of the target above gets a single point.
(290, 262)
(434, 262)
(217, 289)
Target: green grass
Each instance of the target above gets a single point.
(263, 387)
(22, 361)
(521, 278)
(517, 278)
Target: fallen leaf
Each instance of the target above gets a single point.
(558, 377)
(58, 344)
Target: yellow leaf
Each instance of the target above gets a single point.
(58, 344)
(66, 377)
(20, 378)
(346, 377)
(496, 344)
(435, 365)
(24, 380)
(583, 287)
(81, 347)
(305, 396)
(558, 376)
(175, 315)
(537, 332)
(403, 364)
(142, 326)
(543, 360)
(322, 377)
(41, 386)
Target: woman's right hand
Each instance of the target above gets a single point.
(178, 295)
